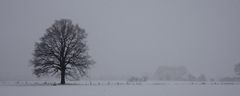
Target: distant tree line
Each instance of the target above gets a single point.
(138, 79)
(234, 78)
(176, 73)
(170, 73)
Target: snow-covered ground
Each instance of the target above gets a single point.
(116, 88)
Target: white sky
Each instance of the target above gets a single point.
(128, 37)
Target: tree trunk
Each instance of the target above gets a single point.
(63, 76)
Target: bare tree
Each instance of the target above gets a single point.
(62, 51)
(237, 69)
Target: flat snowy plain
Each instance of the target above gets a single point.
(115, 88)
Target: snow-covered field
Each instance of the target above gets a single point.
(116, 88)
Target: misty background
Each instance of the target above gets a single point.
(128, 37)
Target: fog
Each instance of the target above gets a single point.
(127, 37)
